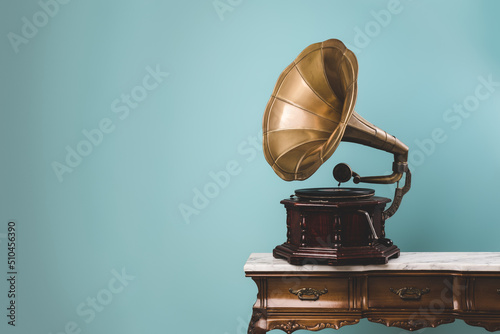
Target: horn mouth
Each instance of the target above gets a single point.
(309, 109)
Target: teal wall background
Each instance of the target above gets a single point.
(105, 248)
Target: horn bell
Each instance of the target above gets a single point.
(307, 114)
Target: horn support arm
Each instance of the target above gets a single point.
(342, 173)
(363, 132)
(399, 167)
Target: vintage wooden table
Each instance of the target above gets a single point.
(414, 291)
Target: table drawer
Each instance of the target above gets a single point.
(410, 292)
(486, 294)
(308, 292)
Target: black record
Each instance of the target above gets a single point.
(334, 193)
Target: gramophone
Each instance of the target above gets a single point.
(310, 112)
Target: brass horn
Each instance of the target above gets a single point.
(311, 110)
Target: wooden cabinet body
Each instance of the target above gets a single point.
(336, 233)
(314, 297)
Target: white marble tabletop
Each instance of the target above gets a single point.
(455, 261)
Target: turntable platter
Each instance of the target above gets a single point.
(334, 193)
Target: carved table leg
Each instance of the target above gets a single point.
(258, 323)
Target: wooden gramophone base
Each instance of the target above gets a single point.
(375, 254)
(336, 232)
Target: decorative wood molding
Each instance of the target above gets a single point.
(257, 315)
(412, 325)
(303, 230)
(292, 326)
(488, 325)
(337, 230)
(288, 231)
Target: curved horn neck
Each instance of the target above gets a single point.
(361, 131)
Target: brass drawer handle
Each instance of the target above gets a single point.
(498, 291)
(410, 293)
(308, 293)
